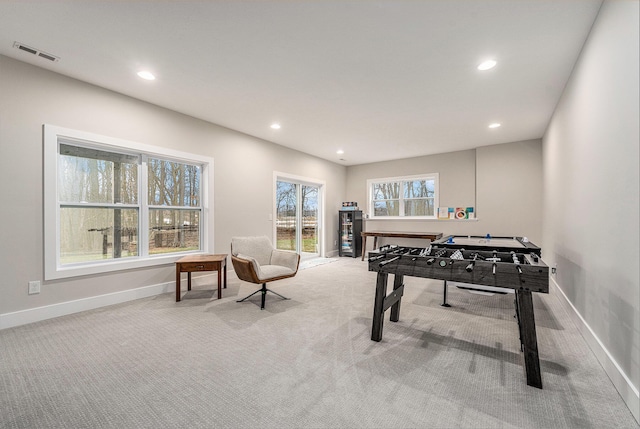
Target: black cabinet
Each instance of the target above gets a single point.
(350, 224)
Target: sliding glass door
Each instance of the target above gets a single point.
(309, 213)
(298, 217)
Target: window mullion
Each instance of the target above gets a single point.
(143, 219)
(401, 199)
(96, 205)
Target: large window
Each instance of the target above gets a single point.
(112, 205)
(174, 206)
(413, 197)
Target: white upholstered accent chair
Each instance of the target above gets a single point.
(255, 260)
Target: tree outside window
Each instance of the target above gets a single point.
(174, 201)
(99, 205)
(403, 197)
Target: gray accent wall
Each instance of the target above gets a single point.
(502, 182)
(591, 180)
(243, 177)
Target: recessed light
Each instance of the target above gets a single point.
(339, 151)
(147, 75)
(275, 126)
(486, 65)
(495, 125)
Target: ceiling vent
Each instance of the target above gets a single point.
(36, 52)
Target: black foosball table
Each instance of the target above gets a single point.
(520, 270)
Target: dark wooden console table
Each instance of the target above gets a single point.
(376, 234)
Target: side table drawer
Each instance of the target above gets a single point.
(197, 266)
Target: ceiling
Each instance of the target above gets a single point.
(379, 80)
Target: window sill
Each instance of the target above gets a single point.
(420, 220)
(90, 269)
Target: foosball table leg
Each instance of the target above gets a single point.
(444, 295)
(395, 308)
(515, 303)
(524, 302)
(378, 306)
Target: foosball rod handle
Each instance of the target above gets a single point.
(469, 267)
(382, 264)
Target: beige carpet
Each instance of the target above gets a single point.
(307, 362)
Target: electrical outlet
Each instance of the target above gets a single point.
(34, 287)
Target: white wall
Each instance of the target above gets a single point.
(243, 175)
(503, 183)
(509, 189)
(591, 210)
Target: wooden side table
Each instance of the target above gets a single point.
(191, 263)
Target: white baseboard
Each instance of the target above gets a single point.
(38, 314)
(331, 254)
(622, 383)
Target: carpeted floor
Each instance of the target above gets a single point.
(307, 362)
(314, 262)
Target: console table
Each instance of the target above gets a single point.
(195, 263)
(376, 234)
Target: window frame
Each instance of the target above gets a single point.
(401, 199)
(53, 136)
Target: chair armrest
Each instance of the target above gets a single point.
(285, 258)
(245, 269)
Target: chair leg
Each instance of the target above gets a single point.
(264, 291)
(276, 293)
(246, 297)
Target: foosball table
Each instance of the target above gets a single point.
(476, 266)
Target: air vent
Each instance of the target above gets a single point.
(36, 52)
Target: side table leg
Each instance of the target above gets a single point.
(364, 246)
(219, 282)
(225, 272)
(177, 283)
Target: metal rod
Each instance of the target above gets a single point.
(382, 264)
